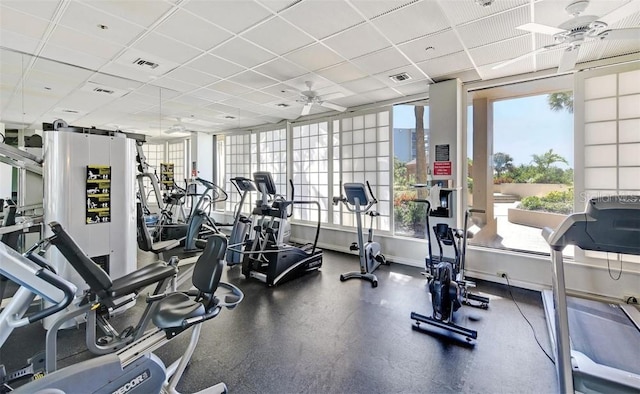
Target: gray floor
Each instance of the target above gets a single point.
(319, 335)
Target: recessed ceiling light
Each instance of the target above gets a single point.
(229, 117)
(47, 88)
(282, 105)
(102, 27)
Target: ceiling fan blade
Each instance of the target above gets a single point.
(306, 109)
(540, 28)
(517, 59)
(333, 106)
(631, 33)
(568, 59)
(621, 12)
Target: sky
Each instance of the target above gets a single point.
(522, 127)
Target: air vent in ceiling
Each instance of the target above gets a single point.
(145, 63)
(400, 77)
(70, 111)
(102, 90)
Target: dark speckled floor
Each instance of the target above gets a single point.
(319, 335)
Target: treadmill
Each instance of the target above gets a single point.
(597, 345)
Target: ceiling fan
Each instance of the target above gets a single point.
(309, 98)
(573, 33)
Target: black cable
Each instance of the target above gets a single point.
(528, 322)
(609, 269)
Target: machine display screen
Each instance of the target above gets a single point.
(356, 190)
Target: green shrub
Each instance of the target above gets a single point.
(556, 202)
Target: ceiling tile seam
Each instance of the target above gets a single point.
(457, 33)
(391, 11)
(53, 23)
(371, 24)
(463, 24)
(428, 35)
(289, 6)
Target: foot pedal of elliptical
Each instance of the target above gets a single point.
(354, 246)
(126, 332)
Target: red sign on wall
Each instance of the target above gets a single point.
(442, 168)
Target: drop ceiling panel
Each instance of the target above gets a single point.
(191, 101)
(259, 97)
(215, 66)
(192, 76)
(317, 82)
(342, 73)
(211, 95)
(253, 80)
(166, 48)
(322, 18)
(242, 53)
(464, 75)
(446, 64)
(229, 88)
(552, 13)
(416, 20)
(143, 13)
(77, 57)
(514, 69)
(174, 84)
(442, 44)
(84, 19)
(415, 73)
(200, 33)
(494, 28)
(362, 85)
(501, 51)
(466, 11)
(129, 103)
(155, 93)
(315, 57)
(278, 36)
(409, 89)
(383, 94)
(234, 16)
(21, 23)
(354, 101)
(18, 42)
(118, 83)
(620, 47)
(42, 9)
(371, 9)
(281, 69)
(377, 62)
(356, 42)
(71, 39)
(282, 91)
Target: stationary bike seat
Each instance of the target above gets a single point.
(174, 309)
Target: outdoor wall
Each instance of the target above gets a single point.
(529, 189)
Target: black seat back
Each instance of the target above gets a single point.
(145, 242)
(98, 280)
(10, 239)
(208, 268)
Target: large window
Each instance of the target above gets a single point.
(311, 170)
(237, 155)
(177, 155)
(365, 143)
(155, 155)
(530, 184)
(410, 166)
(273, 157)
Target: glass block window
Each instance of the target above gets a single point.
(611, 138)
(155, 155)
(311, 170)
(237, 162)
(273, 157)
(365, 156)
(176, 154)
(335, 146)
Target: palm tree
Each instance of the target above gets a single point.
(544, 161)
(561, 100)
(502, 162)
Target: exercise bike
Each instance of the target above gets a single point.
(447, 284)
(371, 257)
(134, 369)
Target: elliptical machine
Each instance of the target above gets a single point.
(370, 253)
(447, 284)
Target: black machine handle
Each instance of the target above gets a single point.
(57, 282)
(217, 196)
(293, 197)
(476, 210)
(373, 197)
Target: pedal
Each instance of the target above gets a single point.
(380, 258)
(105, 340)
(353, 247)
(126, 332)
